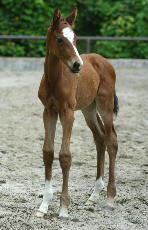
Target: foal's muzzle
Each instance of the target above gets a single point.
(76, 67)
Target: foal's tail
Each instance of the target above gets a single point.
(116, 104)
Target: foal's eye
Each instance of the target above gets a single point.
(60, 41)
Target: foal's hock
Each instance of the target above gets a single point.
(72, 82)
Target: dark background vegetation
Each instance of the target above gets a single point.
(122, 18)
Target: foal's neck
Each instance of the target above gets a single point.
(52, 68)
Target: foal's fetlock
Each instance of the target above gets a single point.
(47, 197)
(65, 200)
(99, 185)
(111, 193)
(64, 204)
(111, 190)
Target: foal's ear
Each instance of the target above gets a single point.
(56, 15)
(55, 18)
(71, 18)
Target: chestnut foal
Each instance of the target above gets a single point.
(72, 82)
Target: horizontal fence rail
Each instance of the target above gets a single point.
(85, 38)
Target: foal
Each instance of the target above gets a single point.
(72, 82)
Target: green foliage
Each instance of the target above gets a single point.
(128, 18)
(125, 19)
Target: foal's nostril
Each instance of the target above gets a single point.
(76, 66)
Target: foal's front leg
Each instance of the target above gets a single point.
(67, 119)
(50, 120)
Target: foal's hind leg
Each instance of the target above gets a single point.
(96, 126)
(50, 119)
(105, 107)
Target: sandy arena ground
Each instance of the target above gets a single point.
(22, 171)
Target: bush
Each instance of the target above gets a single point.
(125, 19)
(95, 18)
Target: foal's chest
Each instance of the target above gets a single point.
(63, 95)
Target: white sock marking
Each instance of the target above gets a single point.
(99, 185)
(47, 196)
(68, 33)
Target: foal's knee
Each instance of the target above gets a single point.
(48, 157)
(65, 160)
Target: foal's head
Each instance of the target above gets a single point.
(61, 41)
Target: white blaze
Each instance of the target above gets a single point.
(68, 33)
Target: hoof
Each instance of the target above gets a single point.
(109, 207)
(110, 204)
(63, 218)
(40, 214)
(89, 202)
